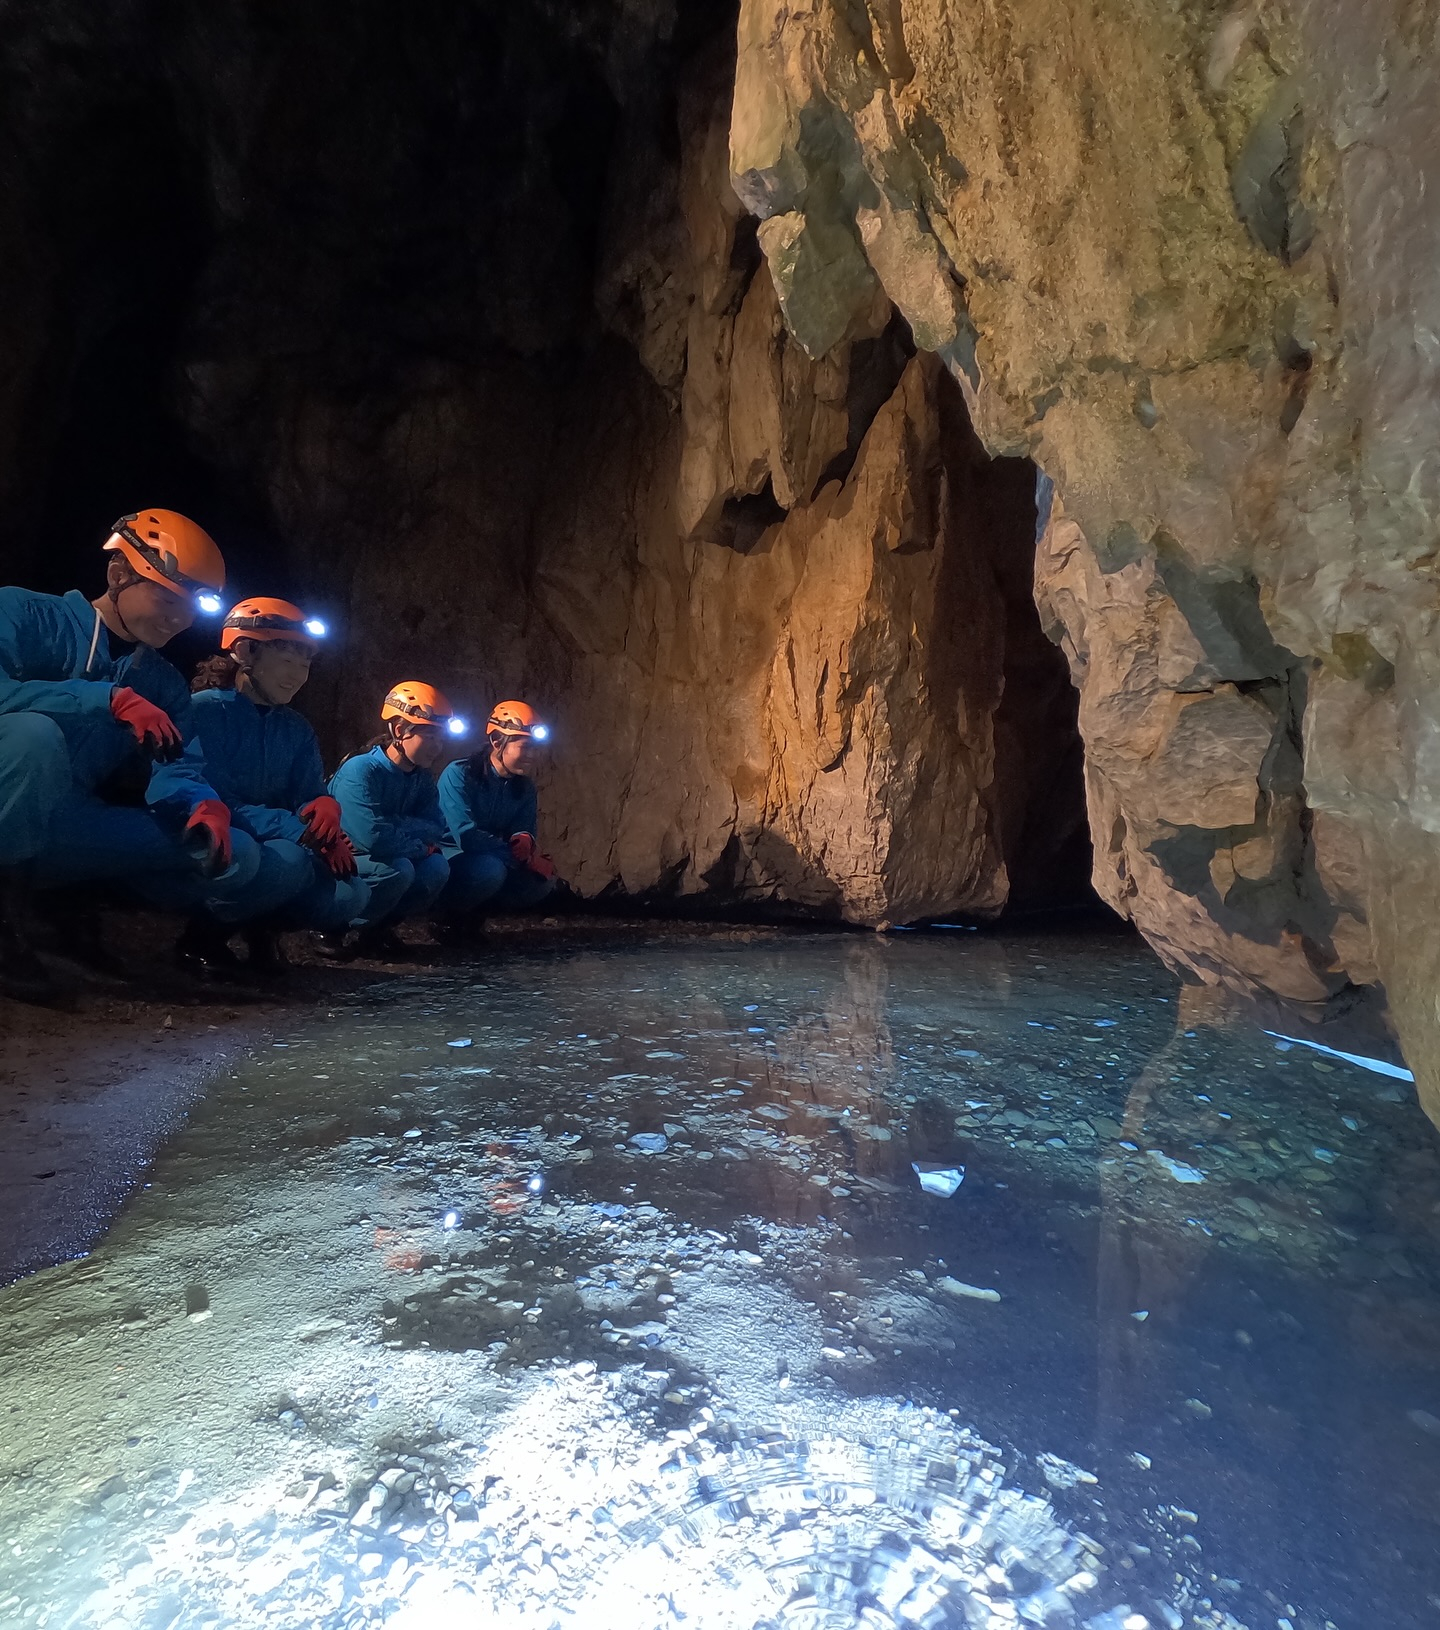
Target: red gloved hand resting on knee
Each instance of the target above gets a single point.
(522, 847)
(211, 819)
(151, 726)
(322, 816)
(542, 866)
(339, 856)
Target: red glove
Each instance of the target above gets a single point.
(522, 847)
(339, 856)
(542, 866)
(322, 816)
(152, 726)
(212, 818)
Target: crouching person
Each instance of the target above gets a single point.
(96, 785)
(264, 760)
(390, 809)
(491, 811)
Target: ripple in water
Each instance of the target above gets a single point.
(573, 1514)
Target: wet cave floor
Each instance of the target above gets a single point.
(786, 1279)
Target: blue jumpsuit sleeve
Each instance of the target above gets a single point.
(307, 774)
(175, 789)
(527, 814)
(227, 751)
(466, 835)
(27, 643)
(424, 826)
(356, 786)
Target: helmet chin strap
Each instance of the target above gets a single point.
(113, 595)
(256, 690)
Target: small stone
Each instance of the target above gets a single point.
(958, 1287)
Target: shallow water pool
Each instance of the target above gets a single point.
(763, 1279)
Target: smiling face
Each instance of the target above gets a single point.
(512, 755)
(273, 670)
(152, 615)
(421, 745)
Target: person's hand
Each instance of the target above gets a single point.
(339, 856)
(542, 866)
(152, 726)
(522, 848)
(211, 820)
(322, 816)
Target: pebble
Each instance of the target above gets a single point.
(941, 1180)
(958, 1287)
(1176, 1168)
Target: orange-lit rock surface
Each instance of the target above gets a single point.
(1179, 256)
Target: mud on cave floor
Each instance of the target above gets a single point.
(748, 1279)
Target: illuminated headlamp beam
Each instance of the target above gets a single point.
(457, 727)
(541, 732)
(210, 604)
(315, 628)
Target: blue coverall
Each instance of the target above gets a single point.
(58, 668)
(392, 816)
(484, 810)
(265, 763)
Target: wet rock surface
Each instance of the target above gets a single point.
(1174, 255)
(638, 1307)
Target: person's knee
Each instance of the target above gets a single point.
(387, 883)
(34, 781)
(474, 879)
(431, 875)
(246, 858)
(351, 896)
(36, 744)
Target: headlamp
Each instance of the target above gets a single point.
(315, 628)
(457, 727)
(540, 732)
(210, 604)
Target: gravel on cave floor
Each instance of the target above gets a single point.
(777, 1279)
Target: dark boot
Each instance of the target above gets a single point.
(204, 949)
(79, 932)
(266, 959)
(381, 944)
(332, 945)
(458, 933)
(23, 976)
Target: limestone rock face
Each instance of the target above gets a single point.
(1179, 256)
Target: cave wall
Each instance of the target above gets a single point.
(1184, 257)
(463, 309)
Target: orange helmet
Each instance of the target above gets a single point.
(270, 620)
(422, 704)
(169, 549)
(511, 719)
